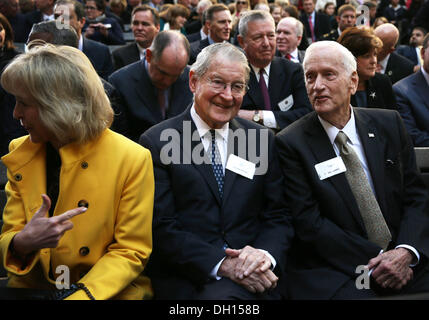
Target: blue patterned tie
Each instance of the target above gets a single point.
(217, 163)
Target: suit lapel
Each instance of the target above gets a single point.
(146, 92)
(254, 92)
(421, 87)
(276, 81)
(205, 168)
(322, 150)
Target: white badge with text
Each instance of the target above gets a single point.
(240, 166)
(330, 168)
(286, 104)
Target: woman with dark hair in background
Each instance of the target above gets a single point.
(374, 89)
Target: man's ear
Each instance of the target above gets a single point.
(354, 81)
(192, 81)
(240, 41)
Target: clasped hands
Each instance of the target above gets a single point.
(250, 268)
(391, 269)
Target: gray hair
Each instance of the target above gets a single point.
(299, 27)
(211, 52)
(165, 39)
(63, 36)
(250, 16)
(340, 52)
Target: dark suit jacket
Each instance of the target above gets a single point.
(286, 78)
(125, 55)
(408, 52)
(139, 97)
(398, 67)
(379, 93)
(331, 239)
(412, 95)
(33, 17)
(333, 35)
(196, 48)
(196, 36)
(100, 57)
(192, 223)
(114, 36)
(322, 25)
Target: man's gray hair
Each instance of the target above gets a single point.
(225, 50)
(299, 27)
(63, 36)
(340, 53)
(166, 38)
(250, 16)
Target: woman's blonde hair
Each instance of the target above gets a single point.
(73, 105)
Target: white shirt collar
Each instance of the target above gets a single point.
(80, 45)
(256, 70)
(203, 127)
(349, 129)
(142, 51)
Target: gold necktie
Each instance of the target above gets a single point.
(375, 225)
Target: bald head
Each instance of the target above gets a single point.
(389, 34)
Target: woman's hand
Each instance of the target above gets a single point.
(43, 232)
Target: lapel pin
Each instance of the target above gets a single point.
(371, 135)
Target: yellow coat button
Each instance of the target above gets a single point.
(83, 203)
(84, 251)
(18, 177)
(84, 165)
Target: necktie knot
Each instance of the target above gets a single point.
(341, 139)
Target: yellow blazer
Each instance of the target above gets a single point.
(111, 242)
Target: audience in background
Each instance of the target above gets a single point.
(145, 26)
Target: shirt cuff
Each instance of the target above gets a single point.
(413, 250)
(269, 119)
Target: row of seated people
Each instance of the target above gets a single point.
(139, 84)
(188, 213)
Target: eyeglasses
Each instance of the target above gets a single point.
(237, 88)
(90, 8)
(241, 2)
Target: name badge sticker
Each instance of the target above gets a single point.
(241, 166)
(330, 168)
(286, 104)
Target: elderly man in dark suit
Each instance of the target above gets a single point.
(412, 95)
(221, 228)
(358, 202)
(157, 87)
(289, 32)
(145, 26)
(73, 12)
(219, 24)
(390, 63)
(276, 95)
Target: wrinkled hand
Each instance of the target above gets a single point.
(42, 232)
(391, 268)
(249, 269)
(101, 27)
(249, 260)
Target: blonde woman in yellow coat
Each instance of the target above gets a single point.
(89, 223)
